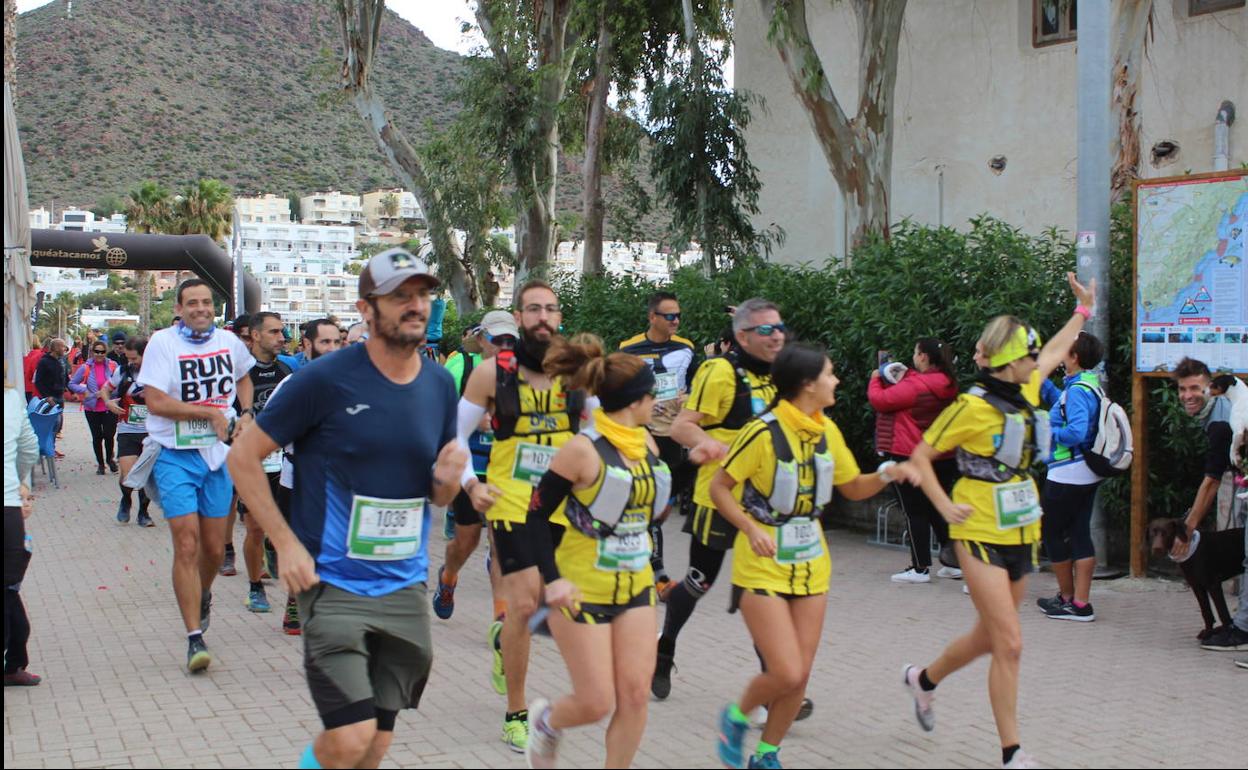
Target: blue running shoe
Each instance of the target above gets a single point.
(257, 601)
(123, 512)
(769, 760)
(731, 739)
(444, 597)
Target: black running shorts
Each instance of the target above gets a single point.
(513, 545)
(1018, 560)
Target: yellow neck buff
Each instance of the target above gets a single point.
(808, 428)
(630, 441)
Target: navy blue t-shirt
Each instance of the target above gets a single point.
(357, 435)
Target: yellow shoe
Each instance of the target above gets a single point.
(516, 734)
(496, 673)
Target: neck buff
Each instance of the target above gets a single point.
(630, 441)
(641, 385)
(530, 352)
(192, 336)
(755, 366)
(808, 427)
(1203, 414)
(1009, 391)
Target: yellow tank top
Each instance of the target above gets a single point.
(615, 569)
(517, 463)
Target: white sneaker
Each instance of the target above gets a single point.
(543, 747)
(910, 576)
(1022, 759)
(952, 573)
(922, 698)
(966, 589)
(759, 717)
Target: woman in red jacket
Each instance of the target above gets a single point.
(910, 406)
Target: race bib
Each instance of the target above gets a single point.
(667, 386)
(136, 415)
(798, 541)
(383, 529)
(627, 550)
(273, 462)
(532, 460)
(1017, 504)
(192, 434)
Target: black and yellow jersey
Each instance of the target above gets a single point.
(674, 357)
(518, 462)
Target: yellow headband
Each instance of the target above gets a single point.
(1024, 341)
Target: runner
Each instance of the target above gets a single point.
(118, 354)
(373, 428)
(266, 340)
(775, 482)
(533, 414)
(190, 376)
(598, 575)
(124, 398)
(671, 358)
(727, 392)
(994, 514)
(497, 331)
(241, 326)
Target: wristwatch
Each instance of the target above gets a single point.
(883, 470)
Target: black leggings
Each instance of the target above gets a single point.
(704, 566)
(16, 558)
(922, 517)
(103, 428)
(1067, 523)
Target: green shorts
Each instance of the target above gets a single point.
(366, 657)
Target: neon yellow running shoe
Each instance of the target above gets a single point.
(516, 734)
(496, 672)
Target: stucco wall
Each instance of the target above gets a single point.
(970, 86)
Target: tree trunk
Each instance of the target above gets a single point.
(595, 210)
(10, 39)
(858, 151)
(1132, 21)
(360, 25)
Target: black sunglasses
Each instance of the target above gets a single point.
(766, 330)
(669, 317)
(99, 351)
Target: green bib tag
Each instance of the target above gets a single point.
(798, 541)
(532, 460)
(667, 386)
(628, 549)
(136, 415)
(192, 434)
(1017, 504)
(383, 529)
(273, 462)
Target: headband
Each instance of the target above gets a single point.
(641, 385)
(1023, 342)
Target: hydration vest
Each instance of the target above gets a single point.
(599, 518)
(778, 506)
(507, 400)
(1014, 454)
(742, 410)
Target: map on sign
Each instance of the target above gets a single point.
(1191, 281)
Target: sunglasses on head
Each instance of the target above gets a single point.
(766, 330)
(669, 317)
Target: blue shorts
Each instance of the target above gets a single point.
(187, 486)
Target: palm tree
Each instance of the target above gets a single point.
(148, 210)
(60, 314)
(204, 208)
(390, 206)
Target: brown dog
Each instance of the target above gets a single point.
(1219, 556)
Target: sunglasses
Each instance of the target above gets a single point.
(766, 330)
(669, 317)
(99, 351)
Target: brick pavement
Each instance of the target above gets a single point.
(1130, 690)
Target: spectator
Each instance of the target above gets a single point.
(89, 379)
(21, 453)
(118, 352)
(51, 378)
(30, 363)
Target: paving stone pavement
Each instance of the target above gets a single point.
(1130, 690)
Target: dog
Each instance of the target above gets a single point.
(1218, 556)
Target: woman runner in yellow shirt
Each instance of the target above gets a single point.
(994, 515)
(788, 460)
(598, 576)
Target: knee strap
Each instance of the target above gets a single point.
(696, 583)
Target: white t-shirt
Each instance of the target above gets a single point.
(205, 374)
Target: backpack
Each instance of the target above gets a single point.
(1113, 449)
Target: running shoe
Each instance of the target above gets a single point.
(910, 575)
(731, 739)
(542, 750)
(270, 559)
(661, 684)
(144, 520)
(953, 573)
(22, 678)
(205, 610)
(769, 760)
(257, 601)
(227, 565)
(497, 679)
(662, 585)
(516, 733)
(1048, 604)
(112, 465)
(1068, 611)
(805, 710)
(123, 512)
(99, 471)
(1021, 759)
(448, 525)
(444, 597)
(197, 656)
(922, 698)
(290, 624)
(1227, 639)
(1242, 662)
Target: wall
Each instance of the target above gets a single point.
(970, 86)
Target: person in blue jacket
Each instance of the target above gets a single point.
(1070, 489)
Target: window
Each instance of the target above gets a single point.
(1197, 7)
(1053, 21)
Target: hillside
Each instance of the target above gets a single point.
(174, 90)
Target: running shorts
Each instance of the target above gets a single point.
(1018, 560)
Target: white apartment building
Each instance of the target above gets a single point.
(54, 280)
(96, 318)
(302, 297)
(643, 259)
(40, 219)
(409, 207)
(267, 208)
(291, 247)
(77, 219)
(331, 208)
